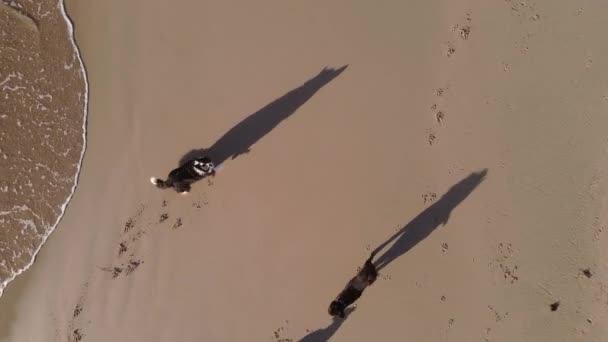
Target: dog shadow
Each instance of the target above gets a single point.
(411, 234)
(324, 334)
(427, 221)
(240, 138)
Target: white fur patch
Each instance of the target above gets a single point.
(154, 180)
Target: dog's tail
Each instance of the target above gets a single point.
(161, 184)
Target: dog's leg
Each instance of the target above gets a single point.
(370, 271)
(182, 188)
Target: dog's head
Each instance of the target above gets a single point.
(336, 308)
(204, 164)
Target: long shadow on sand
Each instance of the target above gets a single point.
(324, 334)
(411, 234)
(428, 220)
(240, 138)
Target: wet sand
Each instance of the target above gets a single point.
(474, 154)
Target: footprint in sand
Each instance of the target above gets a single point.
(451, 50)
(76, 336)
(386, 277)
(129, 225)
(114, 271)
(498, 317)
(429, 197)
(77, 310)
(439, 117)
(133, 265)
(131, 221)
(122, 248)
(163, 217)
(280, 331)
(431, 137)
(587, 272)
(597, 235)
(504, 263)
(464, 32)
(177, 223)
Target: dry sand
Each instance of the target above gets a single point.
(266, 245)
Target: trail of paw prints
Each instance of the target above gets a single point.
(439, 113)
(199, 203)
(498, 317)
(504, 264)
(524, 11)
(463, 29)
(278, 334)
(137, 226)
(75, 332)
(124, 268)
(460, 31)
(126, 262)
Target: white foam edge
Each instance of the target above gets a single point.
(70, 27)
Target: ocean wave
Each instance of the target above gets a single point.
(22, 213)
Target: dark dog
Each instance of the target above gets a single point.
(190, 172)
(366, 276)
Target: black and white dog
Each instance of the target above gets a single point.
(354, 289)
(190, 172)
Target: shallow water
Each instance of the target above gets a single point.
(43, 98)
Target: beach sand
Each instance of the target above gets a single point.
(473, 129)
